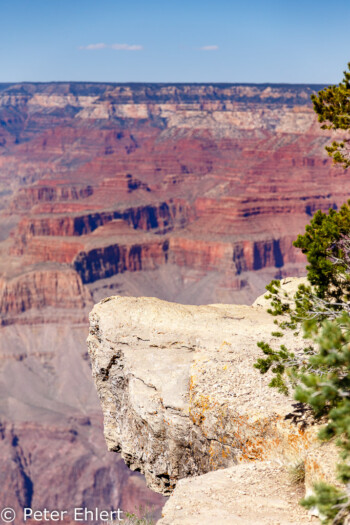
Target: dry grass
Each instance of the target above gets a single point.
(296, 472)
(133, 519)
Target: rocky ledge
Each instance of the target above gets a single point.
(181, 398)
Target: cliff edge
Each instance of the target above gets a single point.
(181, 398)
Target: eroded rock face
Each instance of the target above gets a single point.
(52, 451)
(178, 389)
(78, 469)
(214, 181)
(58, 287)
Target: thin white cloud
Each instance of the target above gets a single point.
(209, 48)
(116, 47)
(92, 47)
(126, 47)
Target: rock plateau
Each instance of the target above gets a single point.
(183, 404)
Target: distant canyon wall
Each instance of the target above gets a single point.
(112, 178)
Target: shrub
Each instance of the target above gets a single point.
(319, 373)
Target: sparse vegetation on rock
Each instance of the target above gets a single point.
(320, 372)
(131, 518)
(297, 472)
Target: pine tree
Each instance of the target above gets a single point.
(319, 374)
(332, 106)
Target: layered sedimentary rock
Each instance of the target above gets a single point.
(181, 398)
(188, 193)
(226, 175)
(37, 289)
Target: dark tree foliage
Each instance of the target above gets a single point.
(332, 106)
(319, 373)
(323, 249)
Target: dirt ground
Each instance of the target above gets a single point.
(254, 494)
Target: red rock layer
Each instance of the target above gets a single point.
(163, 216)
(26, 198)
(191, 193)
(235, 172)
(59, 288)
(106, 261)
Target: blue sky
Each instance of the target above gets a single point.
(299, 41)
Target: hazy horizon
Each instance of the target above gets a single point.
(165, 83)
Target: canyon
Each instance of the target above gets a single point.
(188, 193)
